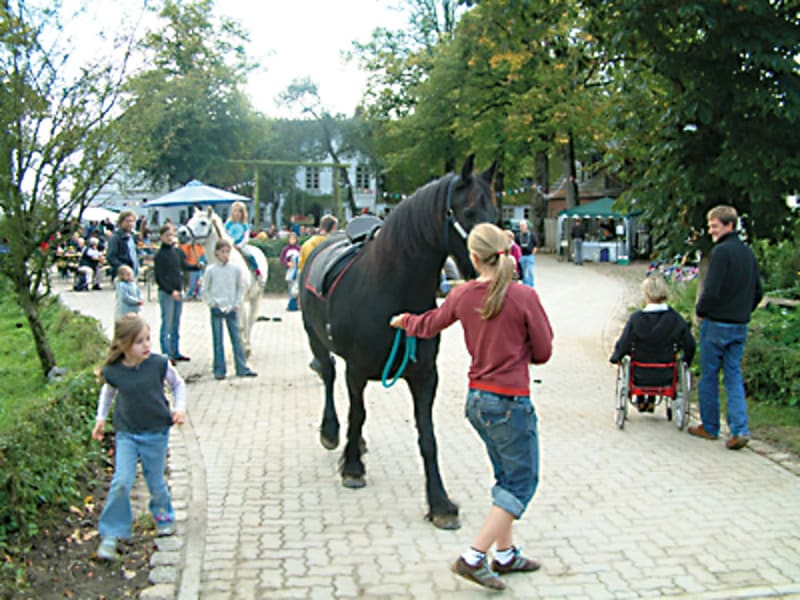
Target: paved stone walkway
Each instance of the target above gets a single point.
(640, 513)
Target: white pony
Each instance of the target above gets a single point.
(206, 227)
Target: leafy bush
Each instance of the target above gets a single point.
(780, 266)
(771, 361)
(45, 454)
(46, 451)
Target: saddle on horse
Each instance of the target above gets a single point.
(330, 261)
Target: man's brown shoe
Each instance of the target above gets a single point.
(480, 574)
(700, 431)
(737, 442)
(518, 564)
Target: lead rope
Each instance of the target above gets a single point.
(410, 354)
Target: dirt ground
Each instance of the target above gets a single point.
(63, 563)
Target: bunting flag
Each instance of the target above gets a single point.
(500, 194)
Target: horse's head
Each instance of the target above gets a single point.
(470, 200)
(199, 227)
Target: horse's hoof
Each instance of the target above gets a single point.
(328, 443)
(446, 522)
(353, 482)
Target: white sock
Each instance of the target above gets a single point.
(505, 556)
(473, 557)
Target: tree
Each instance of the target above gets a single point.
(187, 116)
(707, 109)
(58, 144)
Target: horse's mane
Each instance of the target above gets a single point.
(416, 222)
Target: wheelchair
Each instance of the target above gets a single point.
(674, 396)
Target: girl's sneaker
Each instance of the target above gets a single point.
(165, 527)
(108, 549)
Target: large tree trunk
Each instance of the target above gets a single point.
(568, 169)
(541, 178)
(30, 307)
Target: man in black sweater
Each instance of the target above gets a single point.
(731, 291)
(168, 267)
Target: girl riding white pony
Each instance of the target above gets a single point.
(206, 227)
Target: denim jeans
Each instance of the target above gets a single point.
(116, 519)
(170, 324)
(577, 244)
(507, 425)
(526, 262)
(722, 346)
(232, 321)
(194, 284)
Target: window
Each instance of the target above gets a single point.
(362, 177)
(312, 178)
(508, 212)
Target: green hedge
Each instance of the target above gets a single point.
(46, 455)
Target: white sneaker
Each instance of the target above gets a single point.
(108, 549)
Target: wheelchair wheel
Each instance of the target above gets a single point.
(681, 403)
(622, 393)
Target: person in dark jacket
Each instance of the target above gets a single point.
(731, 291)
(122, 248)
(654, 334)
(168, 267)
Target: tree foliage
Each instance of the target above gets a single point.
(186, 115)
(58, 141)
(707, 108)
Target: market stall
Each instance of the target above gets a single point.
(609, 233)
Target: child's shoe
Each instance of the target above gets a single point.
(165, 527)
(107, 550)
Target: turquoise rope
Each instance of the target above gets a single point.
(410, 354)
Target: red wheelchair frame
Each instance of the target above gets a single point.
(675, 395)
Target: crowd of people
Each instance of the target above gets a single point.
(500, 309)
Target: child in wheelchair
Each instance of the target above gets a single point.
(654, 334)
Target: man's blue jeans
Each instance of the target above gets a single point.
(170, 324)
(577, 244)
(116, 519)
(526, 262)
(722, 347)
(231, 319)
(507, 425)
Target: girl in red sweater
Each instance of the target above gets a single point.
(505, 329)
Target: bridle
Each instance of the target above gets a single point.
(450, 214)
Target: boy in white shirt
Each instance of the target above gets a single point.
(223, 292)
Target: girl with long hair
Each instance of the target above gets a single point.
(505, 330)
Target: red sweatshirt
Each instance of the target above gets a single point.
(502, 347)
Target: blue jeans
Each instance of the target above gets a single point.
(232, 321)
(116, 519)
(507, 425)
(722, 346)
(170, 324)
(526, 262)
(577, 244)
(194, 284)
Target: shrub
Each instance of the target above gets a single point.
(771, 361)
(45, 454)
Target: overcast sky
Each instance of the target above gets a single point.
(290, 39)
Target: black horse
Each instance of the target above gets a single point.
(396, 271)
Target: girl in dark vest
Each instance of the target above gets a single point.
(142, 417)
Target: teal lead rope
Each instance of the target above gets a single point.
(410, 354)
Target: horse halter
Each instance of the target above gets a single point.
(450, 214)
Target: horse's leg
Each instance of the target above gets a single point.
(329, 429)
(443, 513)
(352, 465)
(252, 315)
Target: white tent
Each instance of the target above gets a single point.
(196, 192)
(98, 213)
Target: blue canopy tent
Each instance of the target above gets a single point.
(617, 250)
(196, 192)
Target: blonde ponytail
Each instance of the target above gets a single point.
(490, 244)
